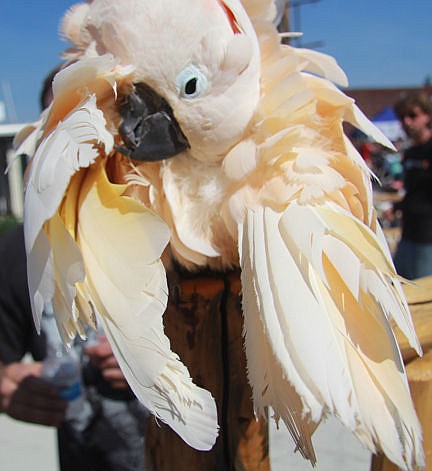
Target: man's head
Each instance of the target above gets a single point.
(46, 94)
(414, 111)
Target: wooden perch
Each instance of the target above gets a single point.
(419, 296)
(204, 323)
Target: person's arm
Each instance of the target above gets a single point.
(25, 396)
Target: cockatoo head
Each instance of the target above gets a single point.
(196, 65)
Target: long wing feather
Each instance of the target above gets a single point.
(265, 371)
(128, 286)
(329, 328)
(74, 144)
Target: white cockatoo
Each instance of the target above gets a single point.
(186, 130)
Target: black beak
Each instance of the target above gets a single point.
(149, 129)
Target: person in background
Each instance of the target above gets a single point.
(413, 257)
(113, 436)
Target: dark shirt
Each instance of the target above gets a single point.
(18, 335)
(417, 204)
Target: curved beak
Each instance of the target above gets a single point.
(148, 129)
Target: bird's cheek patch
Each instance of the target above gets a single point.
(238, 54)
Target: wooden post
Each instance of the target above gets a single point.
(204, 323)
(419, 370)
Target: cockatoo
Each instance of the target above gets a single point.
(186, 131)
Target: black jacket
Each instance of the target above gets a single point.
(417, 203)
(18, 335)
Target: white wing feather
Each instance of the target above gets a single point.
(70, 146)
(327, 324)
(128, 286)
(265, 371)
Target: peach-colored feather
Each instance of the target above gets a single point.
(269, 183)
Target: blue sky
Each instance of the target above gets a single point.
(378, 43)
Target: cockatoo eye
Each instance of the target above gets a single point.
(191, 82)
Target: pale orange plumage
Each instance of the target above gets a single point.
(268, 182)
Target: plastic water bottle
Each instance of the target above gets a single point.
(62, 367)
